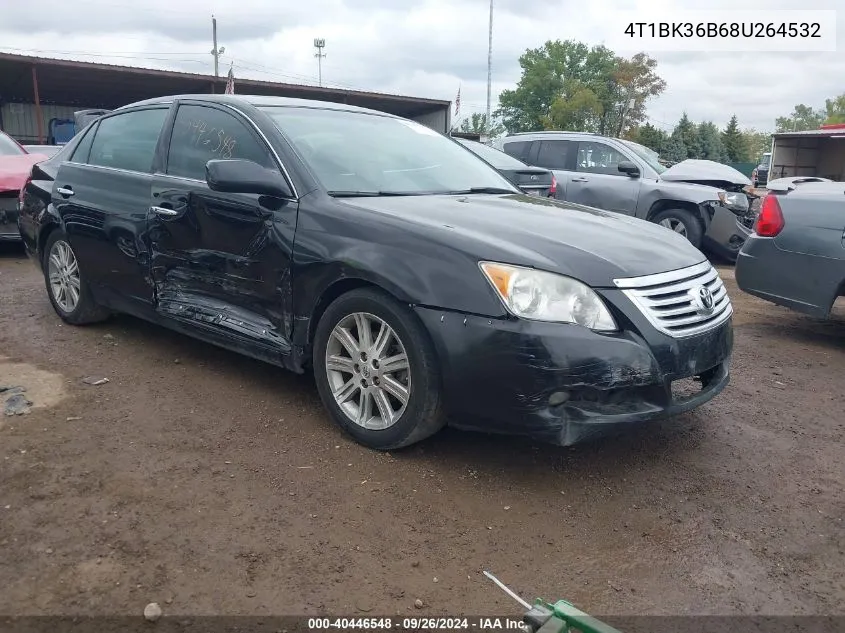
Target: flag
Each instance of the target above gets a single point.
(458, 101)
(230, 81)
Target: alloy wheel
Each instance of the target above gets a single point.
(674, 225)
(63, 272)
(368, 371)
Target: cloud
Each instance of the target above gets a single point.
(424, 48)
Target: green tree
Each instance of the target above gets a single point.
(835, 110)
(710, 143)
(803, 117)
(674, 151)
(756, 143)
(686, 133)
(476, 123)
(735, 148)
(650, 136)
(568, 83)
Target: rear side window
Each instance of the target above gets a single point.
(83, 148)
(517, 149)
(128, 140)
(555, 154)
(201, 134)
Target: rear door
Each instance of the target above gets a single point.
(102, 195)
(597, 181)
(221, 262)
(557, 155)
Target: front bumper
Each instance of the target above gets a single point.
(563, 383)
(9, 231)
(728, 231)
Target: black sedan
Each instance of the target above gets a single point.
(416, 282)
(534, 181)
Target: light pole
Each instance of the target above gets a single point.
(215, 51)
(319, 44)
(489, 67)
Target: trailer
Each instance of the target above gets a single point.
(811, 153)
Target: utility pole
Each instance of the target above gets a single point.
(214, 51)
(319, 44)
(489, 68)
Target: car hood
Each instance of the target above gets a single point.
(14, 170)
(701, 171)
(588, 244)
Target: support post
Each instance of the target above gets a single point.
(38, 115)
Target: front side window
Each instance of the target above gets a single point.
(369, 154)
(128, 140)
(8, 147)
(201, 134)
(598, 158)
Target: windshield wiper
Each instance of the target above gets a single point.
(370, 194)
(482, 190)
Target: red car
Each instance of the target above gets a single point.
(15, 166)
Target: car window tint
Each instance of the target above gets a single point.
(83, 148)
(128, 140)
(201, 134)
(554, 154)
(517, 149)
(598, 158)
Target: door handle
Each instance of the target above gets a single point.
(580, 180)
(65, 191)
(168, 213)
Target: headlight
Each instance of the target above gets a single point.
(737, 200)
(541, 296)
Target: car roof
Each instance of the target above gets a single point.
(257, 101)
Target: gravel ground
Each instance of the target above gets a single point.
(214, 484)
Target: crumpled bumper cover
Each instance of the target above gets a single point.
(563, 383)
(9, 217)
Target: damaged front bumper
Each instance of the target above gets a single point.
(563, 383)
(9, 217)
(728, 230)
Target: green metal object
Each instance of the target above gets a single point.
(560, 617)
(563, 617)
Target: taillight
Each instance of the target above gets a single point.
(553, 188)
(770, 220)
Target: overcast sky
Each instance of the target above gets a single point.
(423, 47)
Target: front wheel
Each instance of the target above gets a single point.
(67, 287)
(682, 222)
(376, 371)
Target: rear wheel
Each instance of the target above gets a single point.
(376, 371)
(66, 285)
(682, 222)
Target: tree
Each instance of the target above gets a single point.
(578, 113)
(710, 143)
(651, 137)
(756, 143)
(803, 117)
(735, 148)
(835, 110)
(675, 151)
(476, 123)
(686, 133)
(568, 83)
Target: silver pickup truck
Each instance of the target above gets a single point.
(796, 255)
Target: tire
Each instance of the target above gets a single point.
(60, 260)
(421, 414)
(683, 222)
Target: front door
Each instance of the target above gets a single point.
(597, 181)
(221, 261)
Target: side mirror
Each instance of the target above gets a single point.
(627, 167)
(245, 176)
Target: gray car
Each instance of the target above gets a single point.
(703, 200)
(796, 257)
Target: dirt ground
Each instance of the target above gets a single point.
(214, 484)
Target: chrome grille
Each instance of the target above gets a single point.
(676, 302)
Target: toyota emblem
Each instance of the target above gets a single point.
(704, 300)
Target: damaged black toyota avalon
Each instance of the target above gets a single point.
(416, 282)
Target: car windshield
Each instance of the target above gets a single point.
(648, 155)
(8, 147)
(498, 159)
(357, 153)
